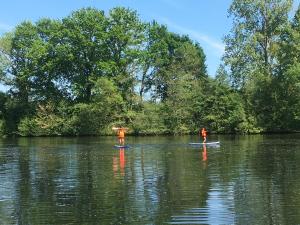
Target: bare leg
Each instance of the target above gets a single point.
(122, 141)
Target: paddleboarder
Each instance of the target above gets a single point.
(121, 134)
(203, 134)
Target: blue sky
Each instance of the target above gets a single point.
(204, 21)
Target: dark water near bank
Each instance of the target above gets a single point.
(159, 180)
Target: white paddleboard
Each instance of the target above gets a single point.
(207, 143)
(121, 146)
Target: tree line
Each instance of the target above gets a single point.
(89, 71)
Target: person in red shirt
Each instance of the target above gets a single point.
(203, 134)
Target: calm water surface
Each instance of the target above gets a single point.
(159, 180)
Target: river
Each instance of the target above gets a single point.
(251, 179)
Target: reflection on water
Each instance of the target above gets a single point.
(204, 153)
(119, 162)
(160, 180)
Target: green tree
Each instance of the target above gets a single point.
(22, 65)
(18, 73)
(149, 120)
(287, 82)
(110, 102)
(153, 56)
(45, 75)
(124, 41)
(252, 53)
(2, 113)
(253, 43)
(5, 59)
(85, 32)
(81, 74)
(166, 72)
(178, 105)
(30, 61)
(169, 54)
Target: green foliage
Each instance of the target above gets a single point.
(5, 48)
(28, 127)
(85, 120)
(106, 94)
(149, 120)
(253, 42)
(259, 53)
(3, 98)
(109, 101)
(90, 71)
(46, 122)
(286, 100)
(287, 82)
(178, 106)
(14, 111)
(2, 129)
(221, 109)
(124, 42)
(84, 35)
(181, 56)
(80, 119)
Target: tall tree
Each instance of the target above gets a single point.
(84, 33)
(5, 59)
(22, 64)
(287, 82)
(252, 53)
(172, 55)
(183, 83)
(31, 68)
(45, 75)
(124, 42)
(251, 46)
(153, 55)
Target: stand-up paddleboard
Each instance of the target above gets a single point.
(207, 143)
(121, 146)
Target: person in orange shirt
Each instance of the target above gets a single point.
(121, 134)
(204, 134)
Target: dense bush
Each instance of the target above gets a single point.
(2, 130)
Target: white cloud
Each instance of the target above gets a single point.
(217, 46)
(213, 48)
(5, 27)
(173, 4)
